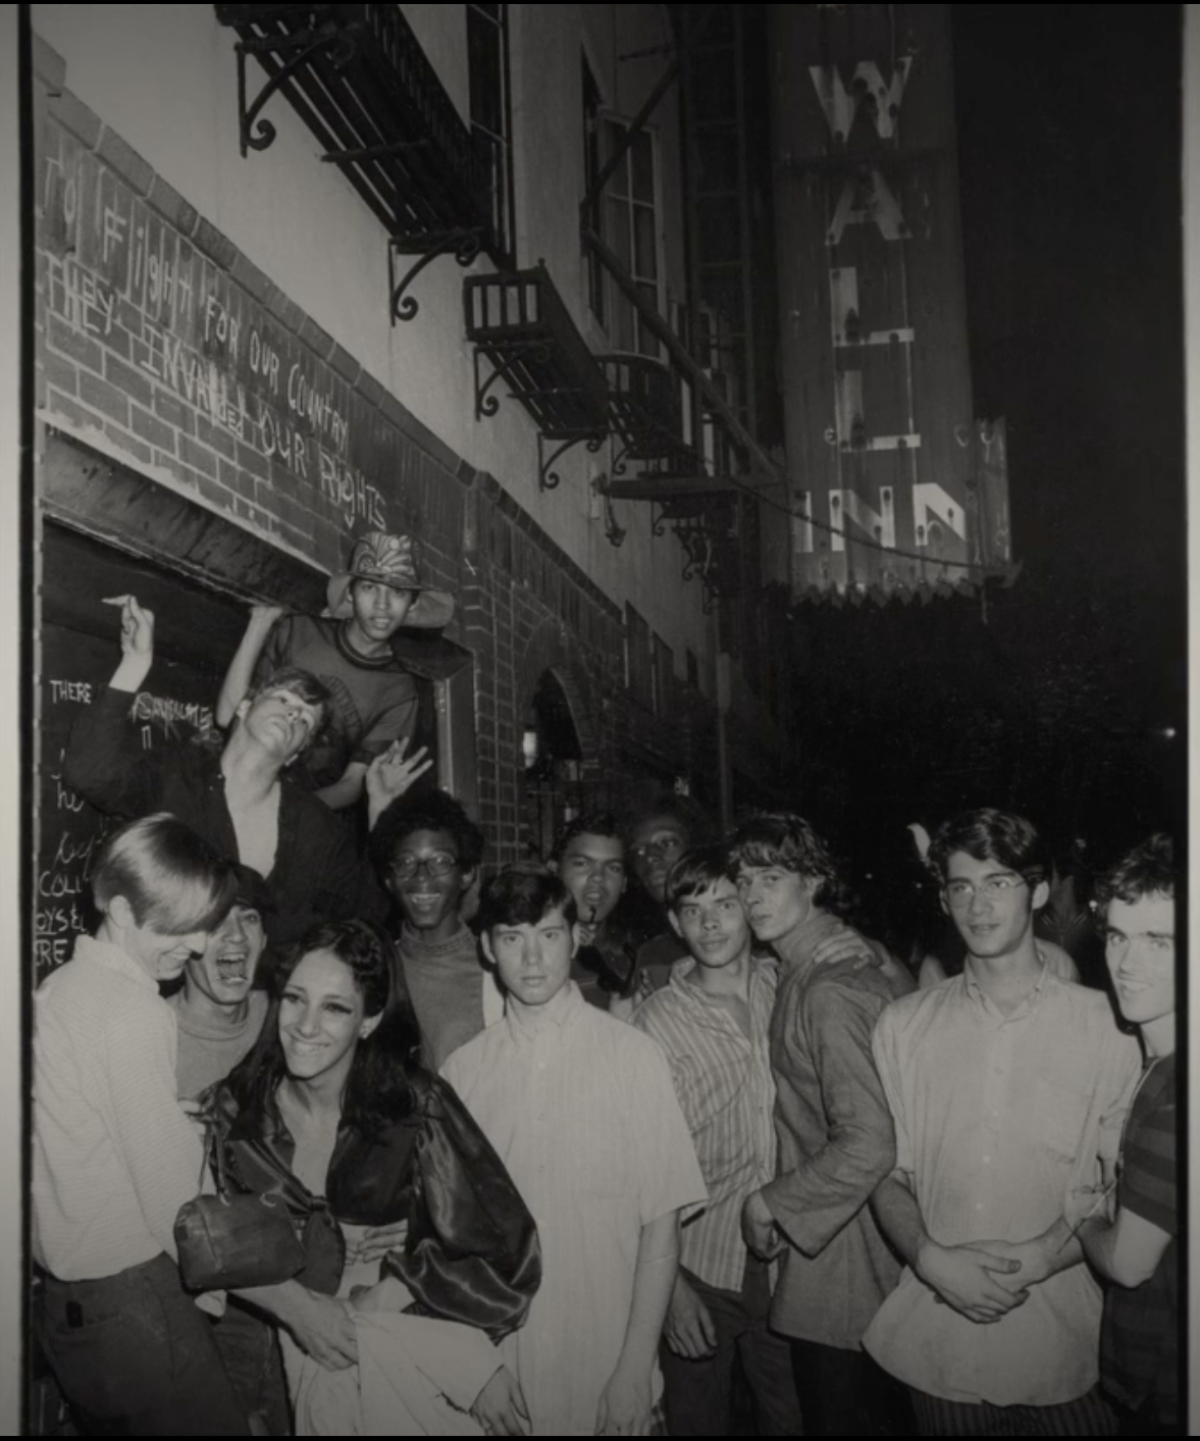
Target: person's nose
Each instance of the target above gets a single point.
(235, 928)
(308, 1021)
(981, 901)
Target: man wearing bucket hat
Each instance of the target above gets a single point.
(349, 649)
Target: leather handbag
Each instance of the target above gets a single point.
(232, 1241)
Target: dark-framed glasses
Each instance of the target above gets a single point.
(441, 863)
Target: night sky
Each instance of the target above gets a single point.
(1069, 141)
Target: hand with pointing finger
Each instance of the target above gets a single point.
(137, 642)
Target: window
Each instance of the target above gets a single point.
(628, 222)
(639, 664)
(491, 111)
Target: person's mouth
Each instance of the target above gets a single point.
(233, 967)
(308, 1049)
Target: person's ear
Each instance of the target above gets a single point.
(369, 1026)
(675, 926)
(1041, 894)
(242, 708)
(485, 942)
(120, 912)
(468, 878)
(552, 867)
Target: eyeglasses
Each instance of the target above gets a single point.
(441, 863)
(961, 893)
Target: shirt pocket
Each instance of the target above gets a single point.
(1060, 1117)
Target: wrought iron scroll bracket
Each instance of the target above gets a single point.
(548, 477)
(256, 134)
(488, 405)
(619, 466)
(658, 519)
(464, 245)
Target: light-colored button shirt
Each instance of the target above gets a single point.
(997, 1119)
(582, 1112)
(723, 1079)
(114, 1157)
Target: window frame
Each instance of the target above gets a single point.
(503, 217)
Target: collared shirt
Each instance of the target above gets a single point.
(723, 1080)
(581, 1110)
(114, 1157)
(317, 875)
(835, 1143)
(997, 1119)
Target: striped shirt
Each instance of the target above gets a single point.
(1140, 1352)
(581, 1110)
(724, 1083)
(998, 1118)
(114, 1157)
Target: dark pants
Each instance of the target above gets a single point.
(844, 1393)
(698, 1393)
(1090, 1415)
(136, 1357)
(249, 1348)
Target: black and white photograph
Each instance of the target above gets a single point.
(596, 719)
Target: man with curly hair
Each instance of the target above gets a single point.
(833, 1129)
(427, 851)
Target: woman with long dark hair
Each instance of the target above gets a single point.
(332, 1113)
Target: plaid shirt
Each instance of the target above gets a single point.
(724, 1083)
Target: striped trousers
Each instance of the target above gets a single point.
(1090, 1415)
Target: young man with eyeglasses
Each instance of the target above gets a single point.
(1008, 1088)
(1133, 1244)
(426, 851)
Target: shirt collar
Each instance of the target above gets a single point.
(976, 993)
(112, 958)
(807, 936)
(683, 971)
(555, 1015)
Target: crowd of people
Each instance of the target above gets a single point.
(646, 1139)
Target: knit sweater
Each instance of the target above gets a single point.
(445, 985)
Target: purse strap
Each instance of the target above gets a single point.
(214, 1159)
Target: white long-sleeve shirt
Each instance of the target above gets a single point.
(114, 1157)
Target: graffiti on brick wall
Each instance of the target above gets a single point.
(119, 275)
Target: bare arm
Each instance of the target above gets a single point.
(963, 1277)
(239, 676)
(626, 1405)
(321, 1325)
(347, 790)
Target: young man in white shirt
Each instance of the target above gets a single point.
(114, 1156)
(1008, 1088)
(581, 1110)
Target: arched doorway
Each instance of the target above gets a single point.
(553, 792)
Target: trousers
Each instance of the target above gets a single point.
(136, 1357)
(698, 1394)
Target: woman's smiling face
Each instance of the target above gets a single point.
(322, 1018)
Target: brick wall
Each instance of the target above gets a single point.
(161, 344)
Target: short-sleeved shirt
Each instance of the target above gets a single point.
(1140, 1350)
(581, 1109)
(998, 1118)
(374, 701)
